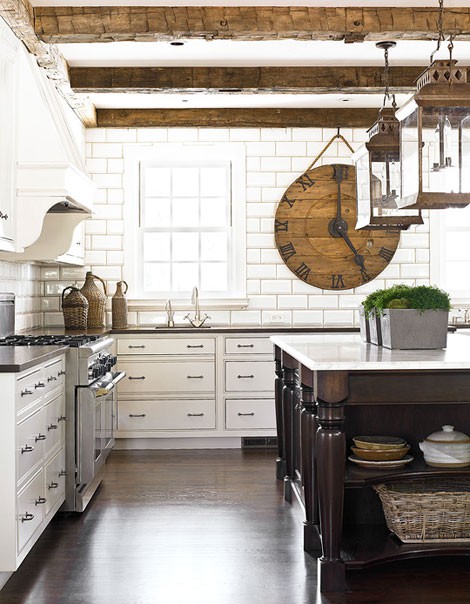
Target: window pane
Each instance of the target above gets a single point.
(454, 277)
(156, 277)
(214, 181)
(213, 246)
(185, 246)
(157, 182)
(458, 217)
(185, 212)
(185, 182)
(457, 247)
(185, 276)
(214, 276)
(157, 212)
(156, 246)
(213, 212)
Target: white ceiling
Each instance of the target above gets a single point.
(197, 52)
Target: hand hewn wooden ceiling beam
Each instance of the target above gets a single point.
(150, 23)
(302, 80)
(236, 118)
(18, 14)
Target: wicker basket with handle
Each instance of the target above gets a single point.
(74, 309)
(96, 300)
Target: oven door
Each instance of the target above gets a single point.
(94, 421)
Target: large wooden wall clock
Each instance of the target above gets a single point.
(316, 236)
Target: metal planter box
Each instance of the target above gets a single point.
(375, 329)
(409, 329)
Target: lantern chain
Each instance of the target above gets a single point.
(440, 31)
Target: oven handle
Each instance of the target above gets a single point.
(105, 390)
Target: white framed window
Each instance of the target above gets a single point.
(185, 221)
(450, 252)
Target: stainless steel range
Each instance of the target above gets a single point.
(90, 409)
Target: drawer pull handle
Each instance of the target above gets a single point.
(195, 377)
(25, 392)
(195, 414)
(52, 427)
(62, 473)
(40, 385)
(51, 378)
(61, 372)
(40, 501)
(140, 377)
(137, 415)
(245, 377)
(194, 345)
(251, 414)
(40, 437)
(27, 517)
(62, 418)
(26, 449)
(245, 345)
(53, 485)
(3, 216)
(141, 346)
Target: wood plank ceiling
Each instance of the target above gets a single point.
(43, 27)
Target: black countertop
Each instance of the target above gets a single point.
(135, 329)
(14, 359)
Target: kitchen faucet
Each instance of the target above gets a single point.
(197, 320)
(170, 314)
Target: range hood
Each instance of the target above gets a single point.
(53, 187)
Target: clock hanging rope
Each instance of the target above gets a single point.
(314, 229)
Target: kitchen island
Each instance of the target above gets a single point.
(332, 387)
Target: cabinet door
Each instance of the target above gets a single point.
(7, 139)
(249, 376)
(31, 509)
(55, 425)
(165, 377)
(248, 346)
(30, 440)
(55, 480)
(166, 346)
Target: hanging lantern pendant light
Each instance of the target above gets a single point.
(435, 136)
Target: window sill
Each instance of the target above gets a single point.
(142, 305)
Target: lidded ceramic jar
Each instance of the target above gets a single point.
(446, 448)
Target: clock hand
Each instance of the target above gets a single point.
(338, 175)
(358, 258)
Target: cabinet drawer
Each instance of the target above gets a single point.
(166, 415)
(55, 423)
(54, 374)
(55, 480)
(246, 413)
(28, 388)
(180, 376)
(249, 376)
(30, 439)
(31, 509)
(166, 346)
(248, 346)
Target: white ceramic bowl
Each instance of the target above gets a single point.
(446, 448)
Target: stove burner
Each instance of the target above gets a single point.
(49, 340)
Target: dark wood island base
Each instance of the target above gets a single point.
(331, 388)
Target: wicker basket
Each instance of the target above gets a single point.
(96, 300)
(119, 307)
(428, 511)
(74, 309)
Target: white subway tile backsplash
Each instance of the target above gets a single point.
(96, 166)
(285, 302)
(253, 256)
(214, 134)
(415, 271)
(115, 227)
(276, 134)
(281, 318)
(261, 271)
(270, 256)
(96, 135)
(253, 286)
(276, 287)
(338, 317)
(95, 227)
(183, 135)
(107, 242)
(307, 317)
(152, 135)
(307, 134)
(261, 209)
(113, 258)
(115, 196)
(260, 240)
(95, 257)
(121, 135)
(106, 150)
(252, 225)
(49, 273)
(246, 317)
(253, 164)
(265, 150)
(262, 302)
(108, 181)
(278, 164)
(323, 302)
(293, 149)
(261, 179)
(115, 166)
(245, 134)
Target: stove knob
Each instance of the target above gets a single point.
(97, 371)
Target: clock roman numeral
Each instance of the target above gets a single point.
(281, 225)
(337, 281)
(290, 202)
(287, 251)
(386, 254)
(305, 181)
(302, 271)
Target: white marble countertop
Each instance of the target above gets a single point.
(347, 352)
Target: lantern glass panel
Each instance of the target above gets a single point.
(409, 151)
(465, 154)
(361, 160)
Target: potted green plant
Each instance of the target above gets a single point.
(409, 316)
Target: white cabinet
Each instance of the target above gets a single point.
(32, 456)
(209, 386)
(8, 87)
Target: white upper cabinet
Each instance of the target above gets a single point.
(8, 98)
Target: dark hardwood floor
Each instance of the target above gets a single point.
(203, 527)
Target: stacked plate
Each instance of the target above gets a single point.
(385, 452)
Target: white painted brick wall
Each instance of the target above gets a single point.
(275, 157)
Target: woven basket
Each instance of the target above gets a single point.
(428, 511)
(119, 307)
(96, 300)
(74, 309)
